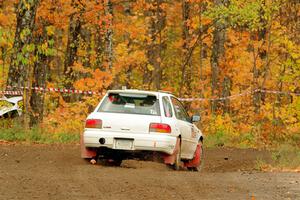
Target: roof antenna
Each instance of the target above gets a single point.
(124, 87)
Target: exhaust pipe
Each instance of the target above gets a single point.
(102, 140)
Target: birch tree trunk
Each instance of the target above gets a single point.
(18, 69)
(109, 35)
(39, 74)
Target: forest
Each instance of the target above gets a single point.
(234, 62)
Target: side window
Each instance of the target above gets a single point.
(180, 112)
(167, 107)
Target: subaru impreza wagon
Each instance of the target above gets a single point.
(145, 125)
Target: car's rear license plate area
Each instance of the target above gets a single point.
(123, 144)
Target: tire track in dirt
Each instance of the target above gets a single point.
(58, 172)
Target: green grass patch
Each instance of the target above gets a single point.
(13, 131)
(217, 139)
(286, 155)
(221, 138)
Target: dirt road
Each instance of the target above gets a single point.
(57, 172)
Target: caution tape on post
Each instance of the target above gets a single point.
(14, 93)
(245, 93)
(19, 91)
(220, 98)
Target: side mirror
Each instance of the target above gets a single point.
(196, 118)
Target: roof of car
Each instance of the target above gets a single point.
(134, 91)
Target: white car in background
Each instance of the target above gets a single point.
(146, 125)
(9, 107)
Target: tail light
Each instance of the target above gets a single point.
(159, 127)
(93, 123)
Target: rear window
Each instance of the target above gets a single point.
(131, 104)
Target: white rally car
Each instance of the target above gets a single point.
(9, 107)
(135, 124)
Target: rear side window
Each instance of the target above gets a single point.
(130, 104)
(180, 112)
(167, 107)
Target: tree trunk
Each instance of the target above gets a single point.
(186, 75)
(157, 22)
(99, 48)
(18, 69)
(74, 35)
(39, 74)
(261, 53)
(72, 46)
(86, 35)
(109, 35)
(218, 51)
(226, 88)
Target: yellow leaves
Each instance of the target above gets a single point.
(150, 67)
(222, 124)
(50, 30)
(126, 57)
(78, 67)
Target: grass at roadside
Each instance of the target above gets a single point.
(284, 158)
(285, 154)
(13, 132)
(220, 139)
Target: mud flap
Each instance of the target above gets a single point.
(197, 158)
(170, 159)
(86, 152)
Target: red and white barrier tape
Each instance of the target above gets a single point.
(74, 91)
(11, 92)
(60, 90)
(240, 95)
(220, 98)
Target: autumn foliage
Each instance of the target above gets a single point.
(207, 49)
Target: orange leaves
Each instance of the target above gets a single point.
(99, 81)
(77, 66)
(75, 111)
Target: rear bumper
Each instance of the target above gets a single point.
(140, 142)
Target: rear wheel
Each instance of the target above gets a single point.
(112, 162)
(117, 162)
(199, 152)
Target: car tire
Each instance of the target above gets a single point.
(113, 162)
(117, 163)
(199, 167)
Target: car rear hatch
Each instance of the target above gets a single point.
(128, 112)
